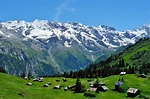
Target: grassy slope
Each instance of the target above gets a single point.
(140, 47)
(12, 87)
(136, 54)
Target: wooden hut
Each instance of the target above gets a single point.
(132, 92)
(122, 73)
(142, 75)
(102, 88)
(57, 87)
(29, 84)
(118, 84)
(92, 89)
(45, 85)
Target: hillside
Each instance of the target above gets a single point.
(135, 55)
(43, 47)
(14, 87)
(134, 59)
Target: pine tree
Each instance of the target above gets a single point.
(23, 75)
(96, 84)
(74, 75)
(66, 74)
(121, 63)
(78, 88)
(71, 74)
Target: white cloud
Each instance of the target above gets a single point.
(62, 8)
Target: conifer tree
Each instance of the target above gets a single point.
(96, 84)
(78, 88)
(71, 74)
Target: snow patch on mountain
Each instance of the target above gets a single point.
(40, 34)
(71, 33)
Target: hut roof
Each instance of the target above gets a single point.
(71, 86)
(132, 90)
(30, 84)
(56, 87)
(119, 83)
(91, 89)
(104, 87)
(122, 73)
(100, 83)
(46, 85)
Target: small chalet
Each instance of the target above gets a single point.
(132, 92)
(38, 79)
(118, 84)
(46, 85)
(72, 86)
(29, 84)
(92, 89)
(102, 88)
(142, 75)
(122, 73)
(57, 87)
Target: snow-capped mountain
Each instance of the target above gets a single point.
(62, 46)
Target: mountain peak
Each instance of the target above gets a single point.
(62, 46)
(107, 28)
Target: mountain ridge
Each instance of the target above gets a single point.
(64, 46)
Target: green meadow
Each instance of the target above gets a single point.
(12, 87)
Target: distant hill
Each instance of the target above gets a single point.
(135, 55)
(134, 59)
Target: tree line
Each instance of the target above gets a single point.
(103, 70)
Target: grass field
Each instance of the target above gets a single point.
(12, 87)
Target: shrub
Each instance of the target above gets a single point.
(21, 94)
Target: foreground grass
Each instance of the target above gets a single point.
(12, 87)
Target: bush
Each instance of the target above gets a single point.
(21, 94)
(90, 94)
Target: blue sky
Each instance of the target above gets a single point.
(121, 14)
